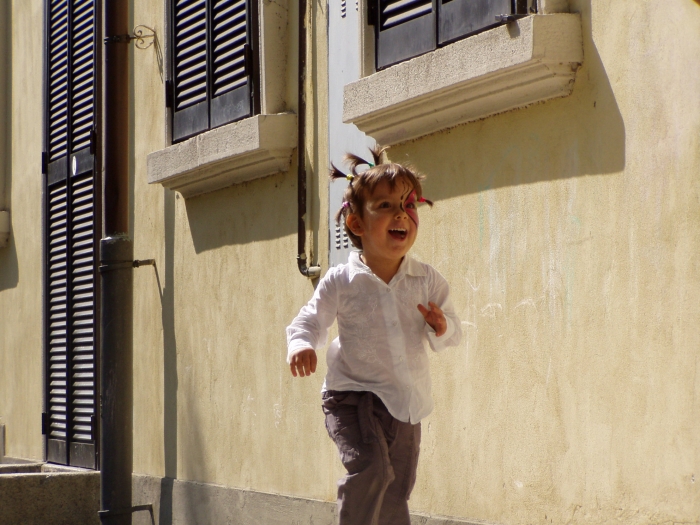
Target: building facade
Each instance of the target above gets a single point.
(561, 146)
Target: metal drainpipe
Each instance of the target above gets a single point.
(116, 268)
(314, 271)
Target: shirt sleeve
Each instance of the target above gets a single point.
(309, 329)
(439, 293)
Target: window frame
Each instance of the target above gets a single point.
(518, 64)
(207, 115)
(245, 149)
(430, 31)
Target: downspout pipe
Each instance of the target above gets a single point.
(312, 272)
(116, 270)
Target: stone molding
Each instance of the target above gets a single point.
(512, 66)
(241, 151)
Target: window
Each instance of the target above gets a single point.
(408, 28)
(232, 115)
(71, 215)
(529, 60)
(212, 64)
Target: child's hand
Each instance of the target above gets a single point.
(304, 363)
(434, 317)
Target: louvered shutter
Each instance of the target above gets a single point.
(191, 107)
(231, 91)
(404, 29)
(461, 18)
(71, 230)
(212, 69)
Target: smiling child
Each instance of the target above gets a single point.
(388, 307)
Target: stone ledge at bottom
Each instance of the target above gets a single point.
(238, 152)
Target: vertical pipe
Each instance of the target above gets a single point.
(313, 271)
(116, 257)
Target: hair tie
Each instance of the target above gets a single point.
(345, 204)
(350, 176)
(370, 165)
(422, 199)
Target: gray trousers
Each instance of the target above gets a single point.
(380, 454)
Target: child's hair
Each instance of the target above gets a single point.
(362, 184)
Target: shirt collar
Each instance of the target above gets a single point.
(409, 266)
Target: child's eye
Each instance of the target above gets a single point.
(411, 205)
(384, 204)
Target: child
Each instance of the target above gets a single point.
(388, 305)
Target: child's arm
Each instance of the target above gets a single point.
(445, 328)
(309, 329)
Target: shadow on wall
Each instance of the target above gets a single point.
(9, 269)
(258, 210)
(582, 134)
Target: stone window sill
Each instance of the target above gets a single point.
(512, 66)
(241, 151)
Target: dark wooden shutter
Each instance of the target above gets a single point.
(212, 65)
(72, 231)
(404, 29)
(461, 18)
(408, 28)
(191, 106)
(231, 64)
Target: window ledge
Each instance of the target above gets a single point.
(4, 228)
(511, 66)
(238, 152)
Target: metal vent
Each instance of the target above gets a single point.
(341, 238)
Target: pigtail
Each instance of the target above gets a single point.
(335, 173)
(377, 152)
(353, 161)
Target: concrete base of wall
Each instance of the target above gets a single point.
(36, 494)
(178, 502)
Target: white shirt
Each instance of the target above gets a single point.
(382, 335)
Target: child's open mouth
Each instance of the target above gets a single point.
(398, 233)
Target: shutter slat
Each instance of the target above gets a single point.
(190, 53)
(58, 328)
(401, 11)
(83, 73)
(57, 118)
(230, 36)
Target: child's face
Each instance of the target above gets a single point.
(386, 227)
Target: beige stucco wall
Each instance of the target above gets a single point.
(569, 232)
(213, 400)
(20, 261)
